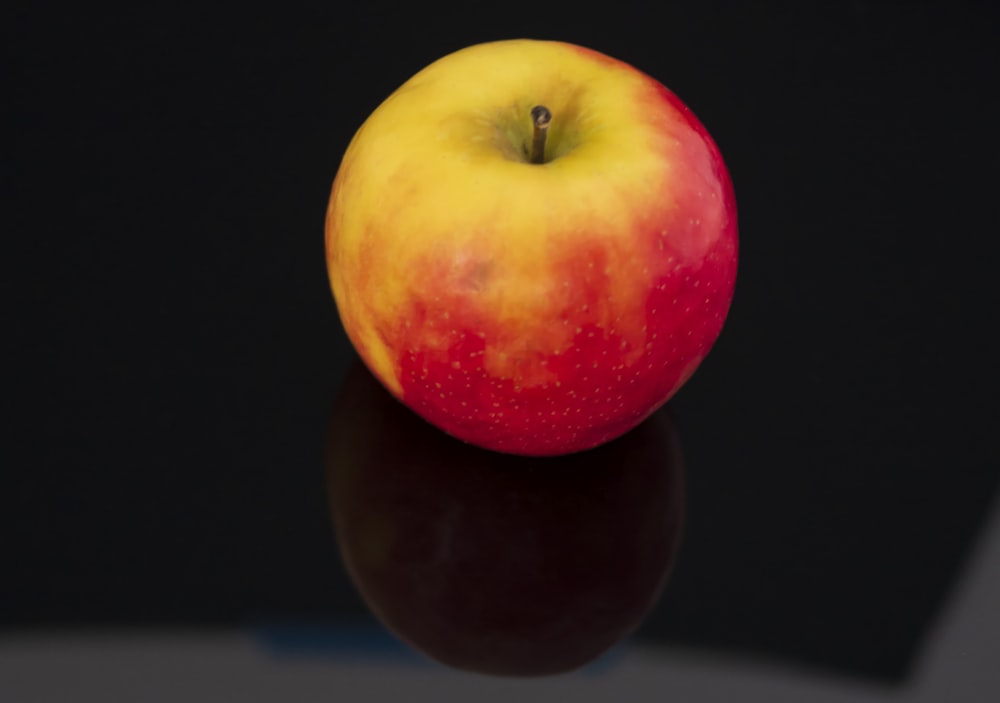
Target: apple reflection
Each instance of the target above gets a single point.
(494, 563)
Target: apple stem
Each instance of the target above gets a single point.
(541, 117)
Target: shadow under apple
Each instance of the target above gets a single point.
(495, 563)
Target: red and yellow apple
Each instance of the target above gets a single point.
(530, 288)
(496, 563)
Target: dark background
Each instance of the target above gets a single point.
(173, 349)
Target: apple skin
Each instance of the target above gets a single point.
(534, 309)
(495, 563)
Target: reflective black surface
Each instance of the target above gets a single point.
(173, 355)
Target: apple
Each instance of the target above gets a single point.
(532, 245)
(496, 563)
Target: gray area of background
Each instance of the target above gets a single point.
(957, 665)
